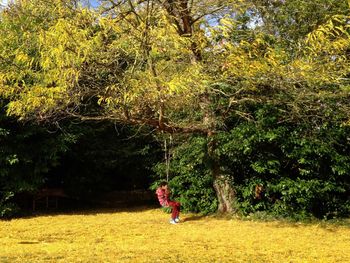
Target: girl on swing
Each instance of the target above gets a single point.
(163, 197)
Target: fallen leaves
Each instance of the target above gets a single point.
(145, 235)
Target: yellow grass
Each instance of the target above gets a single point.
(146, 236)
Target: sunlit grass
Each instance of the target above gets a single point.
(147, 236)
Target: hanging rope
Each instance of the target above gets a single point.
(167, 155)
(166, 160)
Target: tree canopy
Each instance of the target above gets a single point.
(152, 62)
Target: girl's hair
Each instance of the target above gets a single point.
(163, 183)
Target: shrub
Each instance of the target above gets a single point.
(304, 169)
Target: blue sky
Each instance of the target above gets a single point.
(94, 3)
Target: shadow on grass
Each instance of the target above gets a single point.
(94, 209)
(89, 210)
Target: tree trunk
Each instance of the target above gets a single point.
(224, 191)
(222, 184)
(225, 194)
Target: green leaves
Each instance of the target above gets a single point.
(304, 170)
(12, 159)
(7, 209)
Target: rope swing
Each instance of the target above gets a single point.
(167, 155)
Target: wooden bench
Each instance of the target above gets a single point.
(46, 193)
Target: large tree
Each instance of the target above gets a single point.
(178, 66)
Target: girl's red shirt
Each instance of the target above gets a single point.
(163, 196)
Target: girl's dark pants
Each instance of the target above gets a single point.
(175, 209)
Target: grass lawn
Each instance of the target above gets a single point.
(145, 235)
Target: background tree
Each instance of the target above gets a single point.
(177, 66)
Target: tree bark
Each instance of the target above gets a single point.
(222, 183)
(224, 190)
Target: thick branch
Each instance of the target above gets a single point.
(154, 123)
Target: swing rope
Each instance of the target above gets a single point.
(167, 155)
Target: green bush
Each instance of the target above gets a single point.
(303, 168)
(7, 208)
(27, 153)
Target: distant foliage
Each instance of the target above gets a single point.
(28, 152)
(107, 158)
(7, 208)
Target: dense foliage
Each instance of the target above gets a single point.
(28, 152)
(303, 169)
(84, 159)
(106, 158)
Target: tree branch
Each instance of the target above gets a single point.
(166, 127)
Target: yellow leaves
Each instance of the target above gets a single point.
(107, 101)
(322, 59)
(191, 80)
(22, 58)
(166, 43)
(36, 99)
(41, 54)
(251, 60)
(327, 36)
(130, 61)
(126, 236)
(225, 27)
(102, 100)
(6, 90)
(326, 49)
(64, 45)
